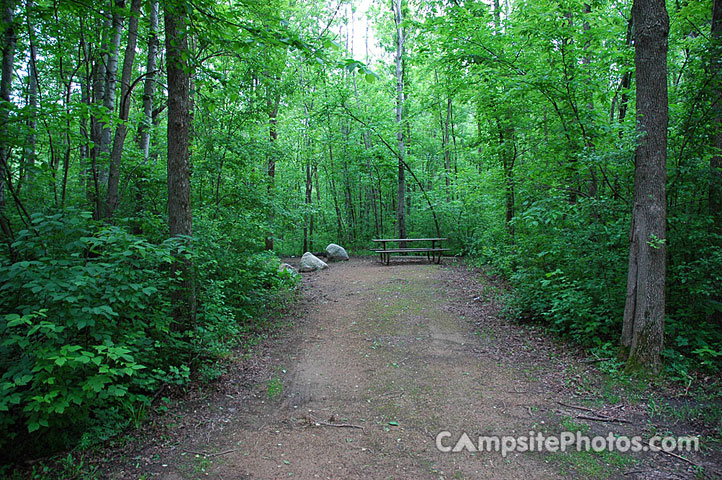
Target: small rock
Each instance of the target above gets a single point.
(286, 267)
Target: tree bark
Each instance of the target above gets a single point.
(401, 192)
(110, 81)
(180, 219)
(149, 84)
(31, 138)
(8, 60)
(272, 105)
(643, 329)
(122, 129)
(715, 190)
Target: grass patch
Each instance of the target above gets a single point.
(597, 465)
(274, 387)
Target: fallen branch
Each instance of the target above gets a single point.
(313, 421)
(696, 466)
(607, 419)
(633, 472)
(339, 425)
(580, 408)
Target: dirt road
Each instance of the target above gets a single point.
(385, 358)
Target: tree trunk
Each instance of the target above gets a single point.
(122, 128)
(401, 192)
(110, 81)
(643, 329)
(272, 138)
(367, 146)
(149, 84)
(715, 190)
(31, 138)
(8, 60)
(180, 219)
(308, 226)
(96, 124)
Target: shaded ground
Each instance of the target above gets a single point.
(381, 359)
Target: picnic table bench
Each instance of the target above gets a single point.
(433, 252)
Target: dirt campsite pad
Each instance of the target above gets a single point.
(379, 360)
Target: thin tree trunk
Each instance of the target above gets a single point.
(372, 183)
(31, 138)
(307, 240)
(149, 84)
(96, 124)
(110, 81)
(447, 149)
(643, 329)
(715, 190)
(339, 220)
(401, 192)
(122, 128)
(180, 220)
(272, 138)
(626, 82)
(8, 60)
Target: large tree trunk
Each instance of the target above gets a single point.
(149, 84)
(401, 192)
(715, 190)
(9, 41)
(179, 199)
(643, 330)
(122, 128)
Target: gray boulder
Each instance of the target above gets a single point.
(336, 253)
(287, 268)
(311, 263)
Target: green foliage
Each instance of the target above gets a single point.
(89, 335)
(521, 146)
(89, 327)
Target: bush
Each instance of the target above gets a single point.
(86, 328)
(86, 325)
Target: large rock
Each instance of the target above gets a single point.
(336, 253)
(311, 263)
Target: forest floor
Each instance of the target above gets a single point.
(375, 361)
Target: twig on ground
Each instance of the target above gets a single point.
(580, 408)
(313, 421)
(339, 425)
(696, 466)
(205, 454)
(603, 419)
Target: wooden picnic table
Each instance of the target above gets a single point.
(433, 253)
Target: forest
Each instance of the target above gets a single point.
(158, 158)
